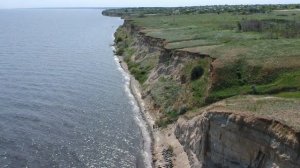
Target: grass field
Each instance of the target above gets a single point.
(263, 59)
(254, 54)
(191, 31)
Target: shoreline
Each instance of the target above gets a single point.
(134, 88)
(164, 149)
(161, 138)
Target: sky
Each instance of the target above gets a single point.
(130, 3)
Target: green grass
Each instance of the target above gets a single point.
(289, 95)
(165, 92)
(260, 49)
(140, 70)
(281, 109)
(286, 82)
(189, 26)
(190, 43)
(284, 85)
(137, 71)
(197, 87)
(190, 31)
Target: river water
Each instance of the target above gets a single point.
(64, 100)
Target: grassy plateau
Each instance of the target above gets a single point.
(253, 54)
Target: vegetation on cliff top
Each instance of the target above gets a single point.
(280, 109)
(253, 53)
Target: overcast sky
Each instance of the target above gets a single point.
(127, 3)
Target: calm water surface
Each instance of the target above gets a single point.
(62, 97)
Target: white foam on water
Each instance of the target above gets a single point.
(138, 115)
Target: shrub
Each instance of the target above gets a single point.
(120, 51)
(197, 72)
(251, 25)
(141, 15)
(171, 149)
(182, 110)
(139, 73)
(165, 92)
(254, 89)
(274, 27)
(164, 122)
(119, 39)
(183, 79)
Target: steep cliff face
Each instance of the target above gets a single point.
(170, 61)
(220, 139)
(168, 86)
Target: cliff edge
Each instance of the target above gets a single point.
(215, 103)
(226, 139)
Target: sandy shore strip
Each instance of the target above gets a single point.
(161, 139)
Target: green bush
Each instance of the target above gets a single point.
(165, 92)
(139, 73)
(119, 39)
(197, 72)
(164, 122)
(120, 51)
(183, 109)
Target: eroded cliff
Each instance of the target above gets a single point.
(165, 74)
(225, 139)
(213, 138)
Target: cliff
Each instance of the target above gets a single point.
(211, 138)
(164, 73)
(224, 139)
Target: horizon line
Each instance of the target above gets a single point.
(99, 7)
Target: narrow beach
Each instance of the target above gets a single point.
(161, 139)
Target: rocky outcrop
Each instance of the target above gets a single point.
(221, 139)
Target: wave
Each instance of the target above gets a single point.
(147, 154)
